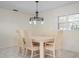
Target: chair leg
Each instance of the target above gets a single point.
(23, 52)
(31, 53)
(26, 52)
(53, 53)
(19, 49)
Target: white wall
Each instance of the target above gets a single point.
(51, 21)
(9, 22)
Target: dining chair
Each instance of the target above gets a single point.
(30, 46)
(30, 33)
(50, 46)
(59, 42)
(21, 41)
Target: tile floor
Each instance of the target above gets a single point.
(13, 53)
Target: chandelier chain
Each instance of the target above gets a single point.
(36, 6)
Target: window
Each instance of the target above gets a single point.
(70, 22)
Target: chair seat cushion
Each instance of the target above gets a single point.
(49, 47)
(35, 47)
(35, 43)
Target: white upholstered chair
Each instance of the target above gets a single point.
(21, 41)
(30, 46)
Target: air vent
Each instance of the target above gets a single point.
(15, 10)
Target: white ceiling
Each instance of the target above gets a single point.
(29, 6)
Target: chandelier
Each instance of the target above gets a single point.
(36, 18)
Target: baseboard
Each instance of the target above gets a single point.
(70, 51)
(8, 47)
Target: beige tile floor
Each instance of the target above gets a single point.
(13, 53)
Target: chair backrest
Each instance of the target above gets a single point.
(28, 39)
(20, 37)
(54, 34)
(52, 40)
(59, 40)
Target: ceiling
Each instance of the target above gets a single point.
(29, 6)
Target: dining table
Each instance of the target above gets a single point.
(41, 39)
